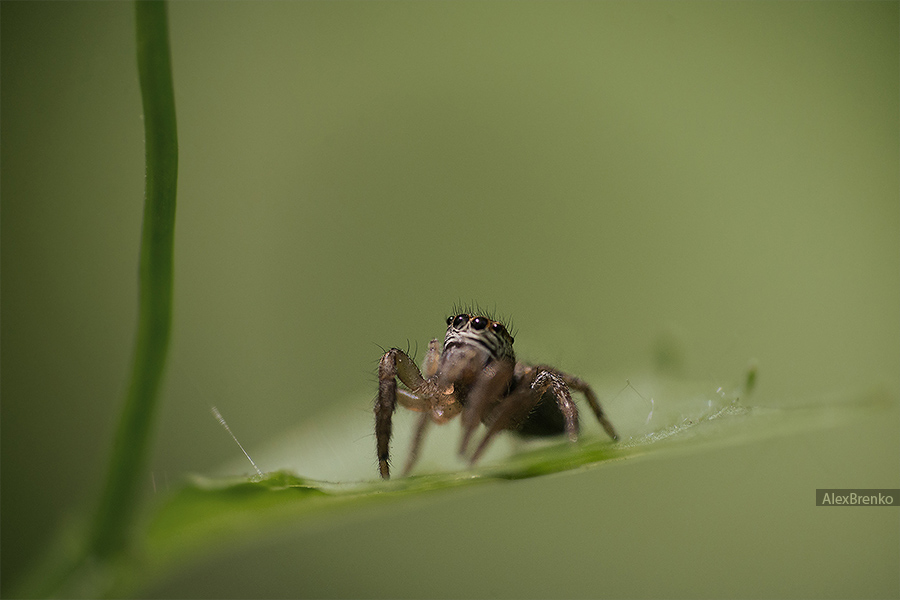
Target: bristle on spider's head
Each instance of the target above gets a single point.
(476, 310)
(469, 327)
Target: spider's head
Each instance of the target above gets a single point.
(480, 332)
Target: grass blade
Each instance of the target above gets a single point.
(131, 445)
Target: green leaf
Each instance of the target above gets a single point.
(209, 514)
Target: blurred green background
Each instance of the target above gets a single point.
(717, 177)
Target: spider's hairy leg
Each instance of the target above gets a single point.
(515, 406)
(421, 426)
(518, 405)
(551, 381)
(394, 364)
(490, 386)
(580, 385)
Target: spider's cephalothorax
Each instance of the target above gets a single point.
(490, 335)
(475, 373)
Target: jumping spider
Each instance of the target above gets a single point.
(476, 374)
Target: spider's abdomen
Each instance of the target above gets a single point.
(544, 420)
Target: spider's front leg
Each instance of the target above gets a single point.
(489, 387)
(394, 364)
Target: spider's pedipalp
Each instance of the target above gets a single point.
(412, 401)
(432, 358)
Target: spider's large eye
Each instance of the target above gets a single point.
(499, 329)
(460, 320)
(479, 323)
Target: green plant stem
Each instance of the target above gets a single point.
(119, 499)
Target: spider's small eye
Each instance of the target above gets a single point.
(498, 328)
(449, 320)
(479, 323)
(460, 320)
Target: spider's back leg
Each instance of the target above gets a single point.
(581, 386)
